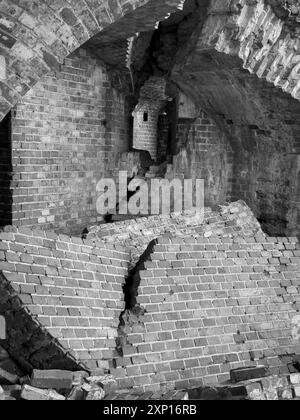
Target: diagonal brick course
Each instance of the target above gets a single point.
(66, 290)
(136, 234)
(37, 36)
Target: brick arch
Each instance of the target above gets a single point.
(242, 68)
(253, 32)
(36, 36)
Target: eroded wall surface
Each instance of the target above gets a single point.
(61, 298)
(204, 153)
(209, 305)
(64, 134)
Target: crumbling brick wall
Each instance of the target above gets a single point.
(135, 235)
(61, 297)
(63, 135)
(207, 305)
(203, 299)
(39, 35)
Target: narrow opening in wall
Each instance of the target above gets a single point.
(146, 117)
(131, 131)
(5, 171)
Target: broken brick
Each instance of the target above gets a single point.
(7, 378)
(286, 393)
(108, 382)
(255, 392)
(295, 379)
(77, 394)
(245, 374)
(52, 379)
(34, 394)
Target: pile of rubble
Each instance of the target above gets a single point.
(51, 385)
(251, 383)
(230, 220)
(55, 385)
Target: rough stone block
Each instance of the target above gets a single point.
(77, 394)
(52, 379)
(93, 392)
(271, 395)
(255, 392)
(107, 382)
(7, 378)
(295, 379)
(34, 394)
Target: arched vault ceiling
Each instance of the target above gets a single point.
(243, 65)
(36, 35)
(251, 31)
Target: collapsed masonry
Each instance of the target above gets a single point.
(173, 303)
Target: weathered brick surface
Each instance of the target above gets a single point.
(39, 35)
(208, 305)
(146, 114)
(53, 379)
(258, 36)
(137, 234)
(30, 393)
(145, 127)
(62, 298)
(64, 134)
(204, 152)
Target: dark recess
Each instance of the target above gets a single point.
(5, 172)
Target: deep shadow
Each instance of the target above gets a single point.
(27, 341)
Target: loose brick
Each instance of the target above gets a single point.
(244, 374)
(52, 379)
(33, 394)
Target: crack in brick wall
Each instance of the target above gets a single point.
(135, 235)
(209, 305)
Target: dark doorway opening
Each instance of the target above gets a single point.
(5, 171)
